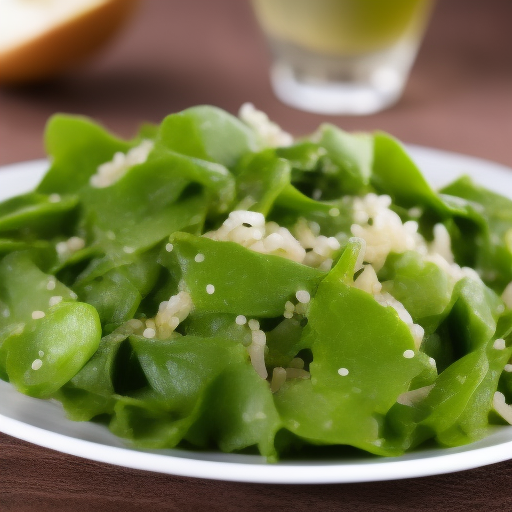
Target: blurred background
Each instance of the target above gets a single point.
(177, 53)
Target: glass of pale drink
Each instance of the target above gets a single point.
(342, 56)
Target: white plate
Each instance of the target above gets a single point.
(43, 422)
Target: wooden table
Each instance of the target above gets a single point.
(176, 54)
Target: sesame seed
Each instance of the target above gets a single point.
(169, 247)
(51, 284)
(210, 289)
(254, 325)
(303, 296)
(260, 415)
(111, 235)
(408, 354)
(149, 333)
(41, 353)
(432, 362)
(6, 313)
(343, 372)
(73, 295)
(75, 243)
(334, 212)
(36, 315)
(288, 314)
(54, 198)
(499, 344)
(37, 364)
(508, 368)
(241, 320)
(61, 248)
(199, 258)
(301, 308)
(289, 306)
(128, 250)
(55, 300)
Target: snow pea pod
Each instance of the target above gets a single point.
(469, 323)
(337, 163)
(283, 342)
(129, 243)
(221, 283)
(455, 411)
(489, 242)
(77, 147)
(26, 288)
(394, 173)
(223, 325)
(37, 214)
(505, 382)
(421, 286)
(147, 422)
(8, 245)
(473, 423)
(142, 208)
(117, 293)
(303, 156)
(113, 295)
(363, 358)
(192, 362)
(334, 218)
(346, 168)
(51, 350)
(91, 391)
(207, 133)
(237, 412)
(472, 321)
(262, 177)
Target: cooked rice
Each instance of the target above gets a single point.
(270, 134)
(68, 247)
(411, 398)
(250, 230)
(110, 172)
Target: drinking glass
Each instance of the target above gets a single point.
(342, 56)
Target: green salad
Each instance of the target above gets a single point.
(215, 284)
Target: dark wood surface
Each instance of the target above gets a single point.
(179, 53)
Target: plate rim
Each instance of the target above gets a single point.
(297, 472)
